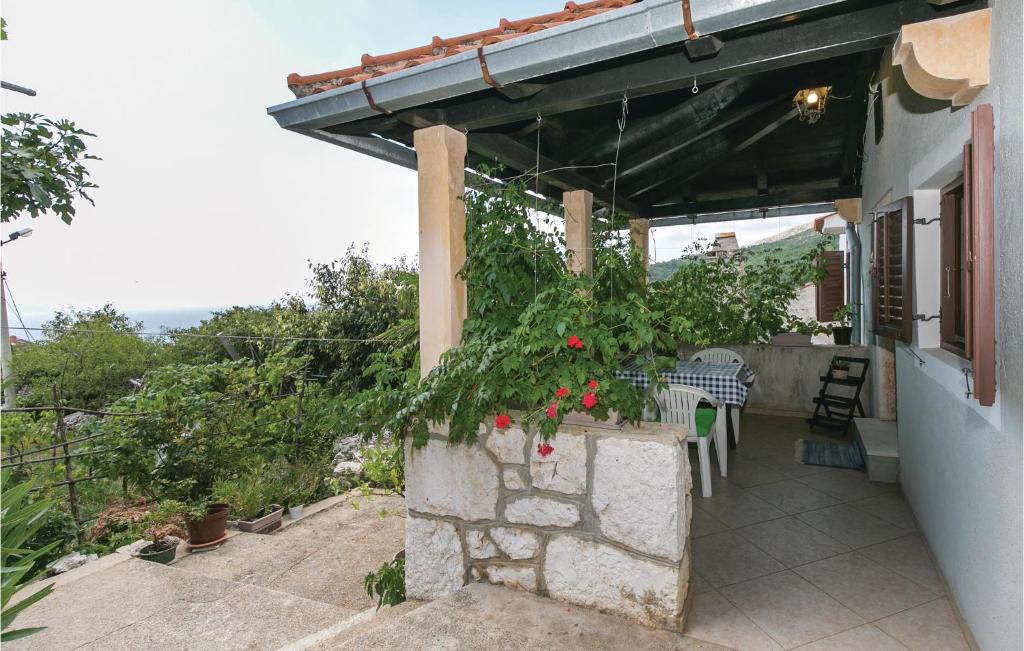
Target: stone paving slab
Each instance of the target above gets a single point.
(482, 616)
(323, 557)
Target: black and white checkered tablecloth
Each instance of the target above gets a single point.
(727, 382)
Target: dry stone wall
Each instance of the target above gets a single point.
(603, 521)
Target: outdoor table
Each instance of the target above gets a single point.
(728, 382)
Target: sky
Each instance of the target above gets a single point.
(203, 200)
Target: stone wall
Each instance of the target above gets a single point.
(602, 521)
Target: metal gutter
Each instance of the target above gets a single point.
(628, 30)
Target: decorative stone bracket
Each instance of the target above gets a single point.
(946, 58)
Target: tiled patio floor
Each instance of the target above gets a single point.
(793, 556)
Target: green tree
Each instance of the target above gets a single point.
(42, 166)
(92, 356)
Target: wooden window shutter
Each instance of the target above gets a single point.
(894, 270)
(830, 292)
(982, 335)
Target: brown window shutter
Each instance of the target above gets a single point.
(967, 230)
(983, 303)
(830, 291)
(893, 251)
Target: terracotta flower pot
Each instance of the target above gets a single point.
(211, 528)
(263, 524)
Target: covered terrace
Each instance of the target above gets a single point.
(632, 114)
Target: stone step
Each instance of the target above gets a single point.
(878, 442)
(481, 616)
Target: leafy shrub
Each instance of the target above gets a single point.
(20, 520)
(249, 493)
(384, 466)
(387, 584)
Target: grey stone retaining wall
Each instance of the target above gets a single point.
(603, 521)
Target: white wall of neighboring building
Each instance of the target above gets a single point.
(960, 463)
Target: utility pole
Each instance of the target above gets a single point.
(5, 333)
(5, 345)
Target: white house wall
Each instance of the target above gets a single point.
(960, 463)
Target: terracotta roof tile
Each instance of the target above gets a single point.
(438, 48)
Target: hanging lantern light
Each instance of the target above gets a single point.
(810, 103)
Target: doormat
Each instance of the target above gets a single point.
(829, 453)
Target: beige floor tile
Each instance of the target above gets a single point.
(847, 485)
(852, 526)
(725, 558)
(790, 609)
(745, 473)
(930, 627)
(862, 638)
(909, 557)
(713, 619)
(891, 507)
(792, 542)
(738, 507)
(700, 584)
(705, 524)
(792, 496)
(864, 586)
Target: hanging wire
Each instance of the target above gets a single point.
(14, 307)
(615, 180)
(536, 206)
(198, 335)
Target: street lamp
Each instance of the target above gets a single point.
(25, 232)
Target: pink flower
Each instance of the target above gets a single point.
(502, 421)
(552, 410)
(592, 384)
(589, 400)
(544, 449)
(562, 392)
(574, 342)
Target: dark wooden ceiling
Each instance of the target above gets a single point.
(735, 144)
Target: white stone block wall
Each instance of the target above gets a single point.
(603, 521)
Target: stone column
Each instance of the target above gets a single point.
(579, 241)
(639, 232)
(441, 162)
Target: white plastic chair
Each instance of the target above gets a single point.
(678, 405)
(723, 356)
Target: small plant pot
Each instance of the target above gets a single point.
(295, 512)
(160, 552)
(842, 335)
(265, 523)
(210, 529)
(791, 339)
(841, 373)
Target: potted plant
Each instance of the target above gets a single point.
(302, 481)
(800, 333)
(206, 523)
(843, 332)
(840, 369)
(249, 495)
(164, 527)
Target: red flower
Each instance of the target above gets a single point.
(574, 342)
(562, 392)
(552, 410)
(589, 400)
(502, 421)
(544, 449)
(592, 384)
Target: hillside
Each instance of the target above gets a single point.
(789, 247)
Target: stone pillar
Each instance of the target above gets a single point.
(441, 162)
(579, 241)
(639, 232)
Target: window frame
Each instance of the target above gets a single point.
(956, 223)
